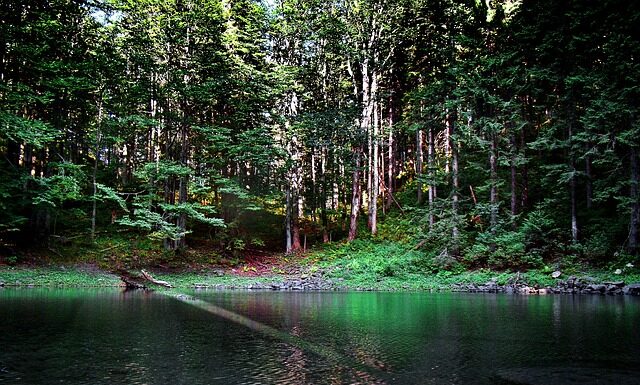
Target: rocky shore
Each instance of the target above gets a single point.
(572, 285)
(324, 281)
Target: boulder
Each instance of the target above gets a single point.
(556, 274)
(597, 288)
(633, 289)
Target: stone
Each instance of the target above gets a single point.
(556, 274)
(618, 272)
(598, 288)
(633, 289)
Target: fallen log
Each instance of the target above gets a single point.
(149, 277)
(138, 281)
(130, 281)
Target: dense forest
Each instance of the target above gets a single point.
(498, 133)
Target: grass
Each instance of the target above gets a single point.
(392, 265)
(80, 276)
(73, 276)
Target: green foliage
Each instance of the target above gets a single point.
(29, 131)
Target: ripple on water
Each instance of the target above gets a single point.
(569, 376)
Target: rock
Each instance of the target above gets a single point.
(611, 289)
(556, 274)
(618, 272)
(633, 289)
(598, 288)
(629, 265)
(615, 283)
(275, 286)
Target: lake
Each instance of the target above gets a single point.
(108, 336)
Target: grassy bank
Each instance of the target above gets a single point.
(85, 276)
(392, 265)
(342, 274)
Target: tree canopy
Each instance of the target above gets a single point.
(504, 132)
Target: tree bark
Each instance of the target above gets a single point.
(451, 123)
(182, 189)
(635, 202)
(287, 220)
(589, 181)
(572, 189)
(355, 198)
(95, 172)
(390, 161)
(514, 192)
(493, 167)
(430, 172)
(524, 174)
(419, 135)
(375, 177)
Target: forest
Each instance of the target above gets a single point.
(479, 133)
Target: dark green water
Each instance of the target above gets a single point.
(109, 337)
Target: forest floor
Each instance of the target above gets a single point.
(357, 266)
(383, 263)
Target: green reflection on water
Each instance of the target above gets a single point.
(108, 336)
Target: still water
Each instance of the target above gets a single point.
(66, 336)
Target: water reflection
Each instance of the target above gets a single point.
(111, 337)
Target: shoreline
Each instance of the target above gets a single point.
(89, 276)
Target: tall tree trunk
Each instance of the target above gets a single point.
(375, 177)
(514, 192)
(390, 161)
(419, 136)
(493, 167)
(355, 198)
(324, 196)
(182, 189)
(431, 176)
(589, 181)
(572, 188)
(288, 219)
(95, 172)
(451, 123)
(635, 202)
(524, 173)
